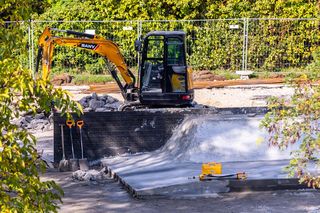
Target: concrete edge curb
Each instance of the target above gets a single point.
(231, 186)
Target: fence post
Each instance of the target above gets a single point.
(29, 46)
(32, 47)
(246, 59)
(139, 31)
(244, 43)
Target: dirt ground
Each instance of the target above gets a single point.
(109, 196)
(231, 96)
(112, 87)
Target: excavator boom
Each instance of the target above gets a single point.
(97, 44)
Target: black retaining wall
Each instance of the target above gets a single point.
(112, 133)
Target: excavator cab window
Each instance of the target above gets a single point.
(176, 65)
(175, 52)
(153, 65)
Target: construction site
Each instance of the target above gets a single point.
(160, 136)
(150, 160)
(165, 133)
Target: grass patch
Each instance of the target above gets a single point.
(91, 79)
(227, 74)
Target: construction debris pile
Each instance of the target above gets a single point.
(35, 122)
(90, 175)
(99, 103)
(89, 103)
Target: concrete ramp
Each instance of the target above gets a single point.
(222, 138)
(113, 133)
(234, 140)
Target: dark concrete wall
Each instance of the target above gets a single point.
(112, 133)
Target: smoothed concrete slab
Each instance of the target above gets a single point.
(176, 179)
(234, 140)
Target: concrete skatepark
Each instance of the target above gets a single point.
(144, 146)
(234, 140)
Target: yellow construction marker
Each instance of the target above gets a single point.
(213, 171)
(211, 168)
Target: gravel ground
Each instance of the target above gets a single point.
(241, 96)
(231, 96)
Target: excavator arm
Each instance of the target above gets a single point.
(97, 44)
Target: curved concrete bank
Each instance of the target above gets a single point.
(114, 133)
(234, 140)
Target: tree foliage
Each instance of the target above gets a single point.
(274, 45)
(20, 187)
(183, 9)
(297, 120)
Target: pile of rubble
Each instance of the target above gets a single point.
(90, 175)
(89, 103)
(99, 103)
(35, 122)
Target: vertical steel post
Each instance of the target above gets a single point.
(138, 53)
(139, 26)
(29, 47)
(32, 47)
(244, 44)
(246, 59)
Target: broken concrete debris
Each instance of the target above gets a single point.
(35, 122)
(99, 103)
(90, 175)
(89, 103)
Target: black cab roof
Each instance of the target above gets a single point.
(166, 33)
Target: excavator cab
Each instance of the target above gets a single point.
(164, 76)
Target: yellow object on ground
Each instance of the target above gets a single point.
(213, 171)
(211, 168)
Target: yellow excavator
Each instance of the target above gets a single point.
(164, 79)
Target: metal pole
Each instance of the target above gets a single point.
(139, 35)
(29, 49)
(62, 142)
(81, 143)
(32, 47)
(246, 60)
(244, 44)
(138, 53)
(73, 156)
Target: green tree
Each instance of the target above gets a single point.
(20, 187)
(297, 120)
(274, 45)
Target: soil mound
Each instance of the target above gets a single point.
(61, 79)
(206, 75)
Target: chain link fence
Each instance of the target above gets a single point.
(280, 44)
(259, 45)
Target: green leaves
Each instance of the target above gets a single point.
(273, 45)
(20, 187)
(297, 120)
